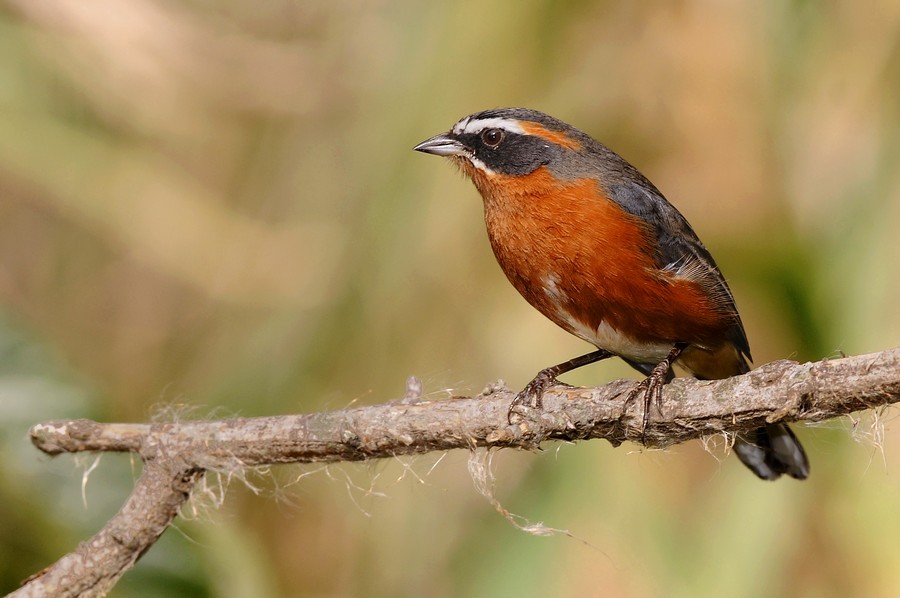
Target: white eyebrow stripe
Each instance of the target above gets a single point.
(468, 126)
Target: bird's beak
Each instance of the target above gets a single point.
(443, 145)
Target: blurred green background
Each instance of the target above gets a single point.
(211, 208)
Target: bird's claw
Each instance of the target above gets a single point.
(529, 399)
(651, 388)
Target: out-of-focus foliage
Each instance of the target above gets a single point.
(211, 208)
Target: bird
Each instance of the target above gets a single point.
(595, 247)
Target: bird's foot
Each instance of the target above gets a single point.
(651, 389)
(651, 386)
(529, 400)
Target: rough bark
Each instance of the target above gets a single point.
(177, 454)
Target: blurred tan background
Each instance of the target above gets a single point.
(212, 208)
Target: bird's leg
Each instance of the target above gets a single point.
(533, 392)
(651, 386)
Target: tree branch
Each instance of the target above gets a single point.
(96, 565)
(177, 454)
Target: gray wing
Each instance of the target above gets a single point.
(678, 249)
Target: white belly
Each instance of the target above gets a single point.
(605, 336)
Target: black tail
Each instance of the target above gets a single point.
(772, 451)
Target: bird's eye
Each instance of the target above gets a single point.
(492, 137)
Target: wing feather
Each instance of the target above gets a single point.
(678, 249)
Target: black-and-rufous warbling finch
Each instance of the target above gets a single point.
(595, 247)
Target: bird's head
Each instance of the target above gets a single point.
(512, 142)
